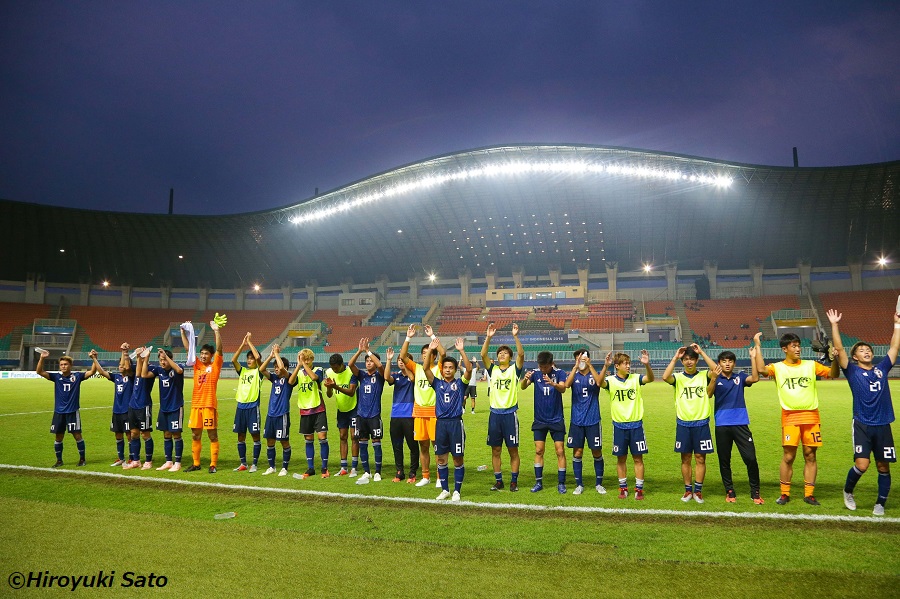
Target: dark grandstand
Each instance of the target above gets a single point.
(503, 208)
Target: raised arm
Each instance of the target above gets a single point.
(363, 346)
(520, 351)
(895, 340)
(834, 317)
(709, 361)
(236, 358)
(184, 339)
(426, 365)
(98, 367)
(760, 362)
(461, 348)
(94, 364)
(252, 347)
(218, 335)
(754, 368)
(40, 365)
(713, 380)
(404, 349)
(601, 378)
(169, 363)
(389, 356)
(440, 348)
(485, 348)
(645, 360)
(669, 373)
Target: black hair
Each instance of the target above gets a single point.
(434, 352)
(787, 339)
(250, 354)
(168, 353)
(690, 352)
(727, 355)
(208, 347)
(335, 360)
(578, 352)
(377, 355)
(286, 362)
(450, 359)
(856, 346)
(507, 348)
(544, 358)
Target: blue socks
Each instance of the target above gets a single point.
(242, 452)
(58, 447)
(120, 448)
(576, 468)
(148, 448)
(515, 477)
(698, 487)
(442, 476)
(376, 445)
(853, 477)
(884, 487)
(179, 449)
(458, 474)
(270, 455)
(167, 448)
(134, 447)
(323, 453)
(539, 473)
(257, 448)
(310, 455)
(285, 457)
(364, 454)
(598, 470)
(561, 476)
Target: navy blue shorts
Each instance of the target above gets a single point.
(579, 434)
(629, 439)
(346, 419)
(141, 419)
(450, 437)
(119, 423)
(693, 439)
(69, 422)
(877, 440)
(278, 427)
(503, 428)
(170, 422)
(368, 428)
(246, 420)
(313, 423)
(556, 430)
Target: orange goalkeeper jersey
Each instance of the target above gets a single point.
(205, 380)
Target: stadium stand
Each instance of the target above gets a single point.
(345, 332)
(866, 314)
(107, 328)
(723, 317)
(415, 315)
(266, 326)
(659, 308)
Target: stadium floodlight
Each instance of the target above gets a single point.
(106, 283)
(432, 277)
(180, 257)
(256, 287)
(882, 261)
(347, 200)
(648, 267)
(62, 251)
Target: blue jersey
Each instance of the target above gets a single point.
(122, 395)
(368, 394)
(872, 404)
(450, 397)
(171, 387)
(403, 396)
(548, 406)
(280, 396)
(66, 392)
(140, 393)
(730, 408)
(585, 400)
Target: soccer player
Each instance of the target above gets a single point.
(368, 408)
(450, 435)
(340, 382)
(121, 396)
(873, 411)
(549, 384)
(140, 413)
(170, 419)
(204, 401)
(503, 420)
(473, 386)
(733, 421)
(66, 403)
(313, 419)
(795, 380)
(402, 421)
(585, 420)
(424, 398)
(278, 417)
(246, 417)
(693, 410)
(627, 414)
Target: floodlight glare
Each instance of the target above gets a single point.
(106, 283)
(432, 277)
(882, 261)
(647, 268)
(256, 287)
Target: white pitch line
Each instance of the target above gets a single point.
(91, 408)
(492, 506)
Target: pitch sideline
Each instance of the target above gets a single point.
(490, 506)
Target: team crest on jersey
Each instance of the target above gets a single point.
(878, 373)
(737, 381)
(124, 379)
(453, 387)
(209, 369)
(72, 378)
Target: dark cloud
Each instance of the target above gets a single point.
(251, 106)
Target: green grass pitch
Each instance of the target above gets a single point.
(328, 546)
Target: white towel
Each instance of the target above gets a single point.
(192, 343)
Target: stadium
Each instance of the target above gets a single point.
(579, 246)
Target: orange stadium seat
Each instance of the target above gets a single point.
(730, 314)
(866, 314)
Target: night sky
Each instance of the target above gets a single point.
(244, 106)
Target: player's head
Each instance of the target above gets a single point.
(206, 353)
(286, 363)
(545, 361)
(623, 363)
(689, 359)
(790, 345)
(425, 349)
(504, 354)
(402, 364)
(168, 352)
(861, 352)
(448, 368)
(307, 356)
(65, 365)
(578, 354)
(125, 367)
(370, 363)
(726, 361)
(251, 360)
(336, 361)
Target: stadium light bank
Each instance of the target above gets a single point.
(510, 169)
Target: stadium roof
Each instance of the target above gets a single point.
(499, 208)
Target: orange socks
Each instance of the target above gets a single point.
(195, 451)
(809, 489)
(214, 452)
